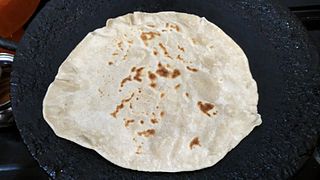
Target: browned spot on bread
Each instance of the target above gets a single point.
(165, 51)
(125, 80)
(181, 48)
(137, 76)
(125, 57)
(110, 63)
(128, 122)
(163, 30)
(139, 91)
(162, 113)
(162, 95)
(176, 73)
(176, 27)
(120, 106)
(177, 86)
(147, 133)
(194, 142)
(152, 26)
(130, 105)
(157, 107)
(138, 151)
(179, 58)
(147, 36)
(192, 69)
(162, 71)
(120, 45)
(141, 121)
(194, 40)
(115, 53)
(130, 42)
(133, 69)
(187, 94)
(153, 85)
(101, 92)
(153, 120)
(155, 52)
(152, 76)
(205, 107)
(167, 25)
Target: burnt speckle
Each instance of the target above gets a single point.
(125, 80)
(110, 63)
(141, 122)
(179, 57)
(147, 36)
(194, 142)
(175, 73)
(147, 133)
(165, 51)
(192, 69)
(205, 107)
(187, 94)
(121, 106)
(177, 86)
(181, 48)
(162, 95)
(128, 122)
(162, 113)
(162, 71)
(138, 74)
(153, 120)
(152, 76)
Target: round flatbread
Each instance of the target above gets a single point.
(161, 91)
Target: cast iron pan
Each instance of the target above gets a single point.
(282, 61)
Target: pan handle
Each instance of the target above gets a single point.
(6, 117)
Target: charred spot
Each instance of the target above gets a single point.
(192, 69)
(133, 69)
(110, 63)
(128, 122)
(137, 76)
(120, 45)
(125, 80)
(175, 73)
(165, 51)
(152, 26)
(162, 113)
(187, 94)
(179, 58)
(153, 85)
(162, 71)
(177, 86)
(138, 151)
(141, 121)
(147, 133)
(152, 76)
(205, 107)
(147, 36)
(155, 52)
(194, 142)
(120, 106)
(153, 120)
(174, 26)
(162, 95)
(181, 48)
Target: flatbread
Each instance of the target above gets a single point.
(161, 91)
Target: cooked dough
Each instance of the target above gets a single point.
(161, 91)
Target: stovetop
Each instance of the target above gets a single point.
(17, 163)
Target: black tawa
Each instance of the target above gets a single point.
(282, 60)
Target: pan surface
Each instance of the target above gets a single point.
(282, 61)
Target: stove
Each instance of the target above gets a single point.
(17, 163)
